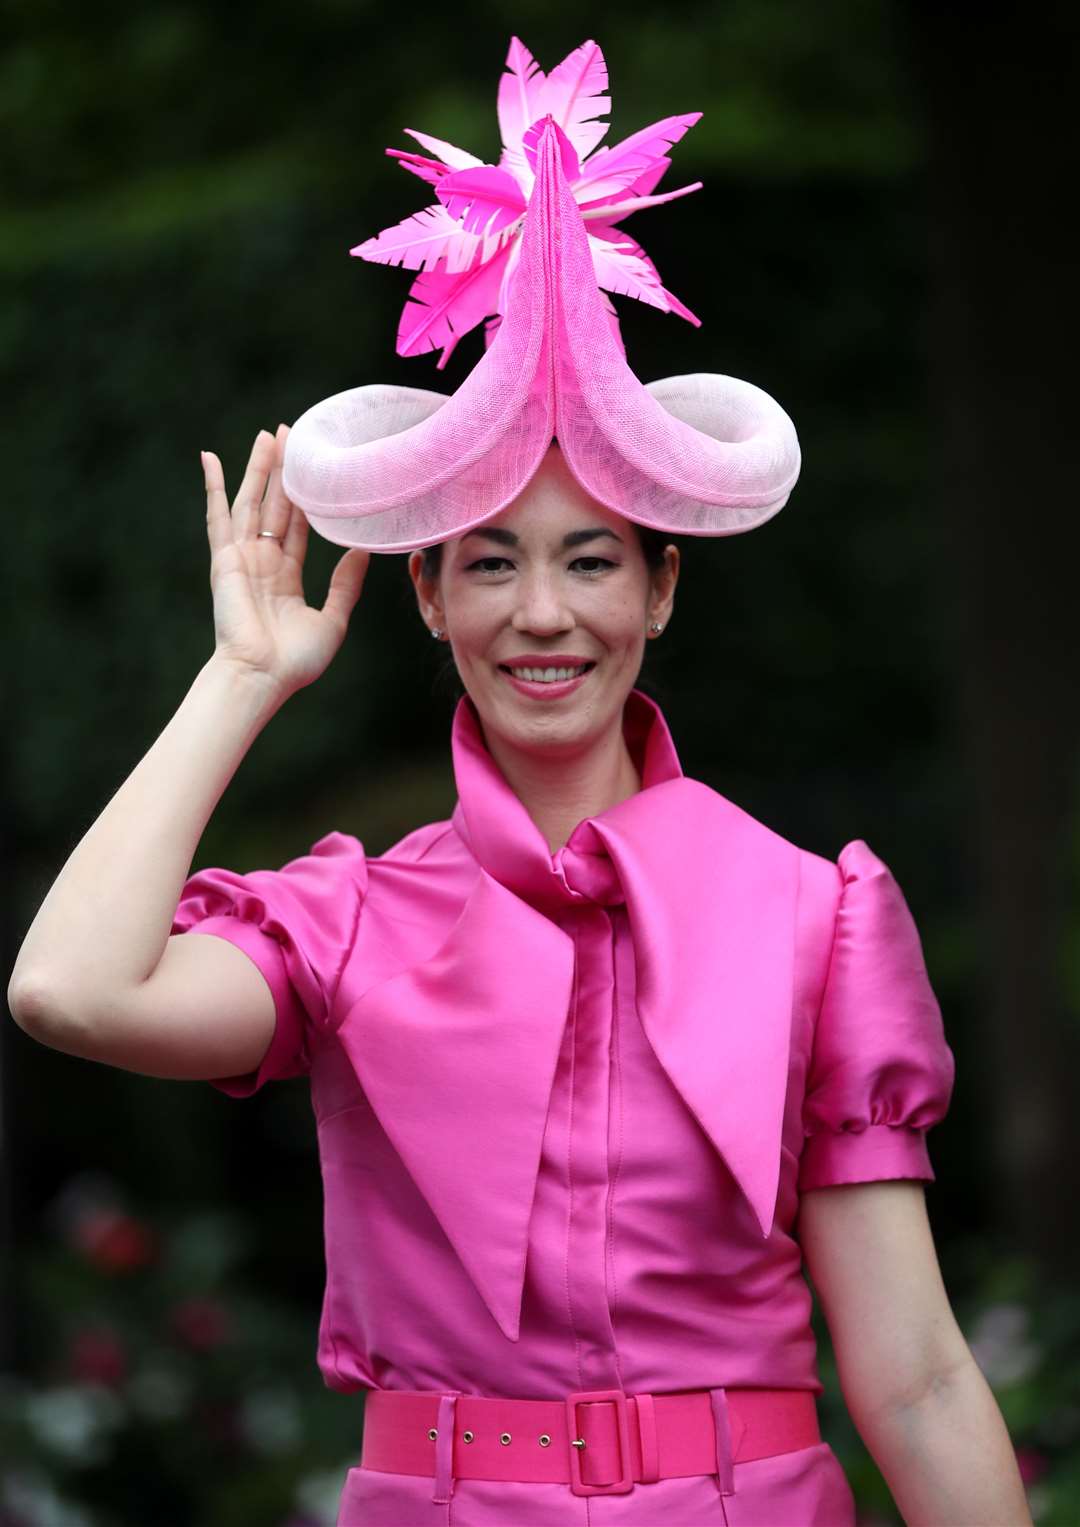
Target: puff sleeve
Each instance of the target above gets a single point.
(297, 925)
(880, 1072)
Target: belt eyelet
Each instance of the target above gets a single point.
(467, 1436)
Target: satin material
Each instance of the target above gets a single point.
(667, 1435)
(566, 1104)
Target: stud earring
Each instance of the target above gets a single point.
(436, 633)
(656, 628)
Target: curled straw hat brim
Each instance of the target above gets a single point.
(392, 468)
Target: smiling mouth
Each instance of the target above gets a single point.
(549, 675)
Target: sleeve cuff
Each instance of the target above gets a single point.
(285, 1056)
(873, 1154)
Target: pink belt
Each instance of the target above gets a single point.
(599, 1441)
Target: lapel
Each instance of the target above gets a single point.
(457, 1055)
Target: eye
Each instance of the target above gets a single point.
(591, 566)
(489, 565)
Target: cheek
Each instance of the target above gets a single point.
(622, 619)
(473, 624)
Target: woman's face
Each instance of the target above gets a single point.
(554, 582)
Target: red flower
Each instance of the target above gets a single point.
(97, 1357)
(114, 1241)
(1032, 1464)
(221, 1423)
(201, 1322)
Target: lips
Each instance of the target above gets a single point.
(550, 674)
(547, 677)
(547, 667)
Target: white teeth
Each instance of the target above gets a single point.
(547, 675)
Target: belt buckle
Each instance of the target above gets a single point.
(625, 1481)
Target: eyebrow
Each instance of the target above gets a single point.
(573, 538)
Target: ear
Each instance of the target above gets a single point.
(428, 593)
(662, 594)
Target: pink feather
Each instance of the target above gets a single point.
(456, 158)
(612, 211)
(467, 246)
(428, 169)
(442, 308)
(574, 94)
(611, 170)
(516, 106)
(420, 240)
(622, 266)
(483, 200)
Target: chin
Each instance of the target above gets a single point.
(559, 727)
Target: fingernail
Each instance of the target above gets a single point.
(202, 458)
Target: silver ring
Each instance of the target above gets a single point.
(271, 535)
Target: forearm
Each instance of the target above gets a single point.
(947, 1458)
(104, 924)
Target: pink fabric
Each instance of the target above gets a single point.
(566, 1106)
(666, 1435)
(392, 468)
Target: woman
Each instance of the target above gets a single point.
(598, 1064)
(634, 1290)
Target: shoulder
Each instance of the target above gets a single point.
(339, 854)
(422, 843)
(820, 878)
(857, 885)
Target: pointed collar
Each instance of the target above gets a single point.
(458, 1054)
(502, 836)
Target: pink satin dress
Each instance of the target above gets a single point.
(566, 1106)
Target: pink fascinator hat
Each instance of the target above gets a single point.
(527, 245)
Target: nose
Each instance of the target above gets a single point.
(541, 608)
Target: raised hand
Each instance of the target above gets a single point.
(263, 623)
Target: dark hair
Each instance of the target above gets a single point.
(652, 543)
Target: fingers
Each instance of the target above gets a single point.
(296, 536)
(276, 508)
(284, 518)
(218, 522)
(345, 584)
(246, 507)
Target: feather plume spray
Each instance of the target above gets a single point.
(465, 246)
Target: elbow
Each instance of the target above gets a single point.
(43, 1012)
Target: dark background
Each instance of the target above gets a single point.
(880, 244)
